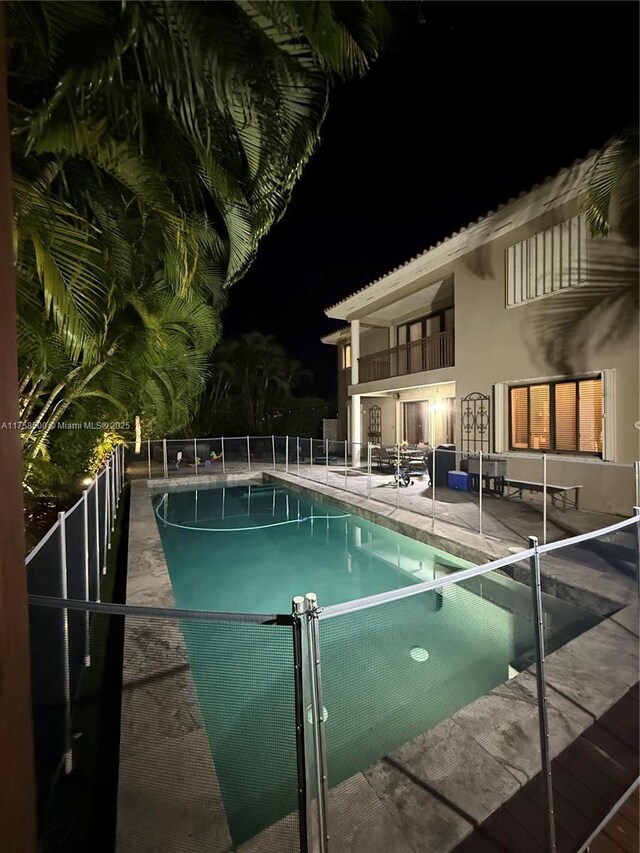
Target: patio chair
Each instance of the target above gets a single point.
(381, 459)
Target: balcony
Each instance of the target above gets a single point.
(424, 354)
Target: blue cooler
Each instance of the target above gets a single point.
(458, 480)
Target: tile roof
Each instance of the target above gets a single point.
(480, 219)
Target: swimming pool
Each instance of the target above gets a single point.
(250, 549)
(390, 672)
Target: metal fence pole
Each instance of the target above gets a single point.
(106, 520)
(68, 756)
(273, 451)
(544, 499)
(541, 692)
(311, 456)
(345, 464)
(165, 467)
(326, 460)
(116, 479)
(224, 469)
(298, 454)
(113, 505)
(480, 493)
(397, 476)
(123, 451)
(107, 508)
(97, 529)
(149, 455)
(305, 804)
(85, 537)
(433, 487)
(637, 511)
(195, 454)
(369, 470)
(636, 466)
(286, 455)
(318, 719)
(248, 453)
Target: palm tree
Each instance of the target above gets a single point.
(577, 319)
(613, 183)
(155, 143)
(250, 376)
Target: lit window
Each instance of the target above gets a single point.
(346, 356)
(562, 417)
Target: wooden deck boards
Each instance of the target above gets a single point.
(589, 778)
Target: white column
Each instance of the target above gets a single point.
(356, 430)
(355, 351)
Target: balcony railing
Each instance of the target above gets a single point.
(425, 354)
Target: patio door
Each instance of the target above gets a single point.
(416, 424)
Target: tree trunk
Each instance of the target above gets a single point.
(17, 786)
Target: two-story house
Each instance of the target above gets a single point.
(517, 335)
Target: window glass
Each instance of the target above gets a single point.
(590, 415)
(539, 417)
(566, 423)
(346, 356)
(520, 418)
(561, 416)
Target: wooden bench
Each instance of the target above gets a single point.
(520, 486)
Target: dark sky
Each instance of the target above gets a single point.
(479, 102)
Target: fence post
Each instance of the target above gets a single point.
(311, 456)
(541, 691)
(305, 803)
(114, 493)
(96, 487)
(544, 499)
(116, 479)
(85, 533)
(433, 487)
(637, 511)
(480, 493)
(165, 467)
(326, 460)
(106, 520)
(119, 477)
(397, 476)
(286, 455)
(369, 470)
(149, 455)
(636, 466)
(316, 716)
(224, 469)
(248, 453)
(68, 755)
(345, 464)
(123, 451)
(298, 454)
(107, 508)
(195, 454)
(273, 451)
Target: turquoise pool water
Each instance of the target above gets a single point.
(390, 672)
(250, 549)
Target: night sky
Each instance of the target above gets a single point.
(474, 105)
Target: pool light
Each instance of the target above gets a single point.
(419, 654)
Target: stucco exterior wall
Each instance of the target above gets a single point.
(499, 344)
(388, 418)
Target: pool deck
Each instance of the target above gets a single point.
(431, 793)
